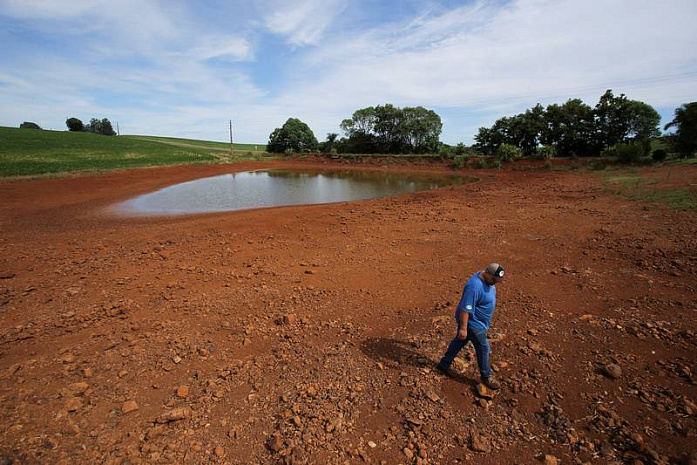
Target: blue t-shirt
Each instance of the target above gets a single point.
(479, 300)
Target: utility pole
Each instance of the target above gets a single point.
(231, 145)
(118, 131)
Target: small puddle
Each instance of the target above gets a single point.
(273, 188)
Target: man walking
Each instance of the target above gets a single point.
(473, 316)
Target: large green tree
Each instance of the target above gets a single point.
(421, 130)
(390, 129)
(360, 132)
(570, 129)
(612, 122)
(102, 126)
(684, 141)
(643, 125)
(488, 140)
(74, 125)
(574, 128)
(293, 135)
(643, 121)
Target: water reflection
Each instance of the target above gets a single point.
(258, 189)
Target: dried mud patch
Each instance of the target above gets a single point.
(309, 334)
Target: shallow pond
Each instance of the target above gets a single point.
(273, 188)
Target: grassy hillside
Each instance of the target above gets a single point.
(32, 152)
(217, 146)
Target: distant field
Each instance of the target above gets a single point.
(25, 152)
(218, 146)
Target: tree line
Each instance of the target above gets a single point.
(574, 128)
(96, 126)
(379, 129)
(615, 126)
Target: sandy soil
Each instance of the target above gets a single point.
(309, 334)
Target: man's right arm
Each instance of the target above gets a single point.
(467, 303)
(464, 318)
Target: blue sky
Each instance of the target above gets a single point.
(183, 68)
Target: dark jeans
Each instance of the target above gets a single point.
(481, 347)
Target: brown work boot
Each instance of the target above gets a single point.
(491, 383)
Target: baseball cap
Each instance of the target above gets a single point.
(495, 270)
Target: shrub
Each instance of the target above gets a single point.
(445, 151)
(74, 125)
(628, 153)
(460, 161)
(488, 163)
(659, 155)
(599, 164)
(29, 125)
(289, 151)
(546, 152)
(508, 152)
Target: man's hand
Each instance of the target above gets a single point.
(462, 334)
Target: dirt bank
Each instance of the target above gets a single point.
(308, 334)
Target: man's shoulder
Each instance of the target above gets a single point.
(475, 282)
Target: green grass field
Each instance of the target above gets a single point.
(217, 146)
(634, 186)
(26, 152)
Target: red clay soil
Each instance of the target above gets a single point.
(309, 334)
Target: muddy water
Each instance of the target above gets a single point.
(272, 188)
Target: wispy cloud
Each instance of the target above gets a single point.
(136, 54)
(178, 68)
(220, 46)
(132, 25)
(302, 22)
(510, 55)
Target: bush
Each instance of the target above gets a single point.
(488, 163)
(29, 125)
(289, 151)
(460, 149)
(460, 161)
(659, 155)
(508, 152)
(74, 125)
(445, 151)
(627, 153)
(599, 164)
(546, 152)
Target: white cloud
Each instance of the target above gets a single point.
(149, 53)
(135, 25)
(166, 68)
(220, 46)
(48, 9)
(482, 56)
(303, 22)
